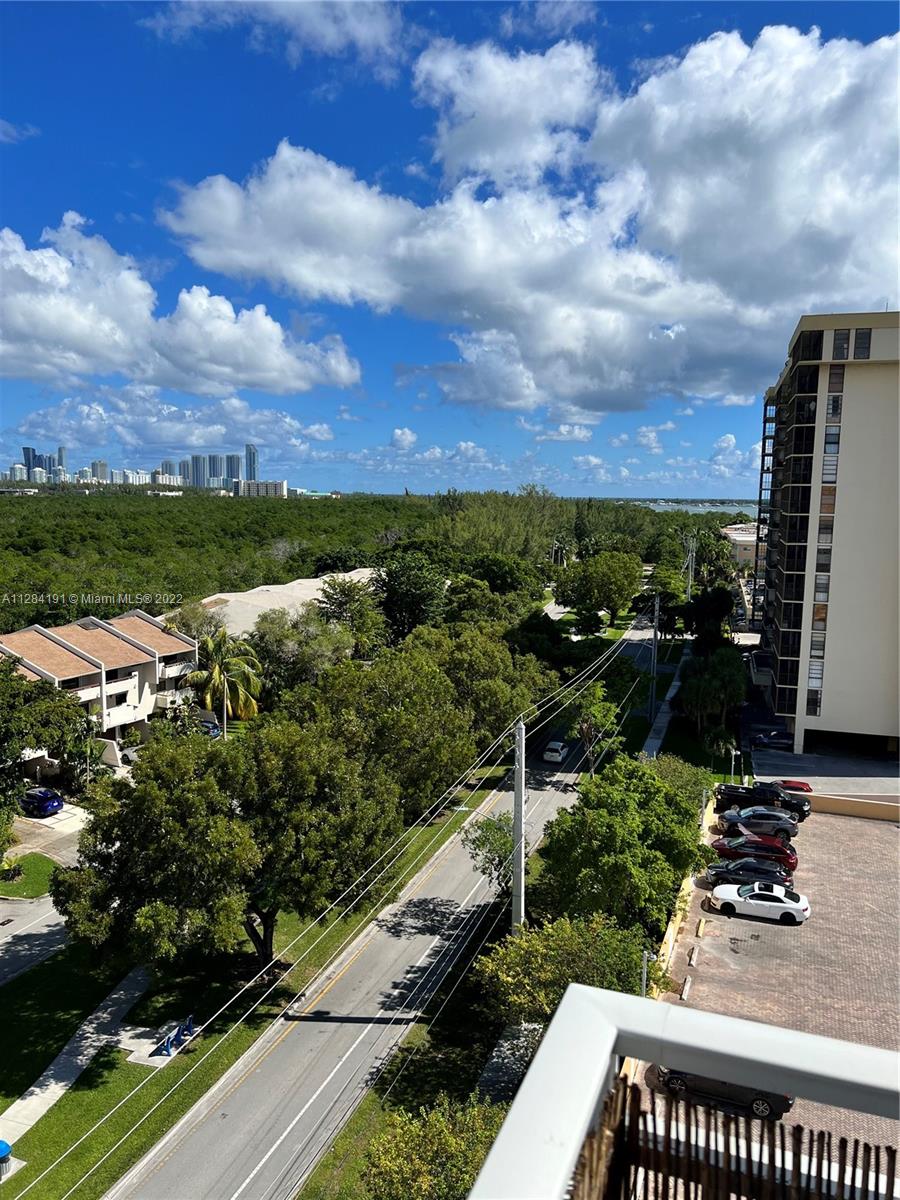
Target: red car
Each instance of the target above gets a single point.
(759, 846)
(793, 785)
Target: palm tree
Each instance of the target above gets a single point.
(228, 672)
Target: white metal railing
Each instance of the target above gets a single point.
(536, 1151)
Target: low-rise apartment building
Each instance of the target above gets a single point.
(829, 526)
(121, 670)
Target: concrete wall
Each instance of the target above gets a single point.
(862, 642)
(884, 808)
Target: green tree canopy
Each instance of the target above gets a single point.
(490, 846)
(352, 603)
(228, 673)
(608, 581)
(411, 591)
(525, 976)
(623, 848)
(296, 646)
(435, 1154)
(595, 721)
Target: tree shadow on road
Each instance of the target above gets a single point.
(430, 915)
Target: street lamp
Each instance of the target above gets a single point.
(225, 708)
(733, 753)
(646, 957)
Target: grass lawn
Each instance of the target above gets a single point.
(635, 732)
(190, 990)
(35, 880)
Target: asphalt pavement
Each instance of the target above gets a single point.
(261, 1130)
(30, 931)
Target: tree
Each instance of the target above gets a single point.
(490, 846)
(433, 1155)
(623, 848)
(469, 600)
(712, 687)
(594, 719)
(506, 573)
(296, 646)
(411, 591)
(228, 673)
(524, 976)
(34, 715)
(351, 603)
(607, 581)
(195, 621)
(209, 842)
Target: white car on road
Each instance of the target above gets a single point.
(556, 752)
(768, 900)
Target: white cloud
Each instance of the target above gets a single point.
(566, 433)
(732, 401)
(370, 30)
(403, 439)
(620, 439)
(138, 420)
(344, 414)
(594, 465)
(465, 459)
(547, 18)
(76, 308)
(507, 116)
(687, 411)
(10, 133)
(727, 460)
(674, 262)
(648, 436)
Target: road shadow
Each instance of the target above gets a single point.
(429, 915)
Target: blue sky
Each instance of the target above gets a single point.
(422, 246)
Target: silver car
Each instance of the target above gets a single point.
(556, 752)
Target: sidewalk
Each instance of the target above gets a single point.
(102, 1027)
(658, 729)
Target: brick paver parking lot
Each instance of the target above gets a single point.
(837, 975)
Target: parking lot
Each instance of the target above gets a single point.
(836, 975)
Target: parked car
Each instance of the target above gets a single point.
(775, 739)
(748, 870)
(768, 900)
(130, 755)
(756, 845)
(793, 785)
(769, 1106)
(41, 802)
(771, 794)
(211, 728)
(759, 819)
(556, 752)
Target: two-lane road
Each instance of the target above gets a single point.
(260, 1131)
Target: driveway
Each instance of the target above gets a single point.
(56, 835)
(832, 775)
(837, 975)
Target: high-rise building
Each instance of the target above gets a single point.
(28, 457)
(168, 467)
(18, 473)
(215, 466)
(38, 475)
(85, 475)
(100, 470)
(198, 473)
(828, 530)
(60, 475)
(49, 463)
(233, 466)
(251, 459)
(261, 487)
(117, 476)
(184, 469)
(61, 459)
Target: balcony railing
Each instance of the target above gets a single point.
(560, 1099)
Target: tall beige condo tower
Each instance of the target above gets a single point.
(829, 530)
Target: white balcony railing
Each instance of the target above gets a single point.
(174, 670)
(536, 1151)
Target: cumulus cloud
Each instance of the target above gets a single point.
(404, 439)
(564, 432)
(547, 18)
(75, 308)
(727, 460)
(136, 418)
(620, 439)
(10, 133)
(369, 29)
(687, 411)
(508, 117)
(648, 436)
(732, 401)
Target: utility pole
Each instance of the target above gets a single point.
(692, 543)
(518, 857)
(653, 656)
(224, 705)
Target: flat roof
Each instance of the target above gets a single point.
(100, 643)
(38, 648)
(151, 635)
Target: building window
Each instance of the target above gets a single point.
(829, 468)
(823, 583)
(841, 348)
(836, 378)
(813, 703)
(832, 439)
(808, 345)
(789, 644)
(823, 558)
(820, 616)
(833, 412)
(829, 495)
(791, 616)
(806, 381)
(816, 673)
(817, 645)
(862, 343)
(826, 531)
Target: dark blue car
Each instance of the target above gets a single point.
(41, 802)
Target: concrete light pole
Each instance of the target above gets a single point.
(646, 957)
(518, 856)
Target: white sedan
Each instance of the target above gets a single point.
(556, 752)
(768, 900)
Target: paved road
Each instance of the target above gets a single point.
(35, 931)
(261, 1130)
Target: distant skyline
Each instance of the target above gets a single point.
(455, 245)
